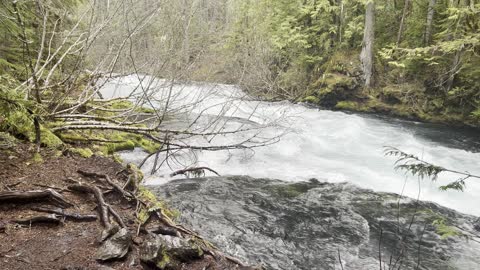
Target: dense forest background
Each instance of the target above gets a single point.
(415, 59)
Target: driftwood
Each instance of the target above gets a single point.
(103, 208)
(29, 196)
(60, 212)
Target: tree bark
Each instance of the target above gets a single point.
(340, 20)
(366, 56)
(402, 21)
(455, 67)
(429, 24)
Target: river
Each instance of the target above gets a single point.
(327, 145)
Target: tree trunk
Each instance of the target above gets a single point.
(366, 56)
(402, 21)
(456, 64)
(340, 20)
(429, 24)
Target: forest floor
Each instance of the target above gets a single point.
(66, 244)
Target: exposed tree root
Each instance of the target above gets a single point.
(29, 196)
(60, 212)
(103, 208)
(167, 226)
(127, 195)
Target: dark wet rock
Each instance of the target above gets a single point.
(168, 252)
(116, 246)
(308, 225)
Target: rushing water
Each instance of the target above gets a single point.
(327, 145)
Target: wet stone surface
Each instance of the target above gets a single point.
(315, 225)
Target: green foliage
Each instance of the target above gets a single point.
(418, 167)
(413, 164)
(306, 41)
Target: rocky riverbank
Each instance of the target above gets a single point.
(62, 211)
(315, 225)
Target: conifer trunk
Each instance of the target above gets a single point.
(366, 55)
(429, 24)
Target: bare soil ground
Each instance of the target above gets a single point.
(70, 244)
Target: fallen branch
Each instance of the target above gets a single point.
(39, 219)
(195, 169)
(60, 212)
(29, 196)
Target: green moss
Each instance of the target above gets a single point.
(165, 260)
(83, 152)
(291, 190)
(73, 136)
(349, 105)
(311, 99)
(136, 171)
(153, 204)
(7, 140)
(37, 158)
(145, 144)
(21, 123)
(121, 104)
(116, 147)
(145, 110)
(117, 158)
(49, 139)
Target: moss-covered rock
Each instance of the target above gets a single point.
(332, 88)
(311, 99)
(169, 252)
(83, 152)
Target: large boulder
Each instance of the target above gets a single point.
(314, 225)
(168, 252)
